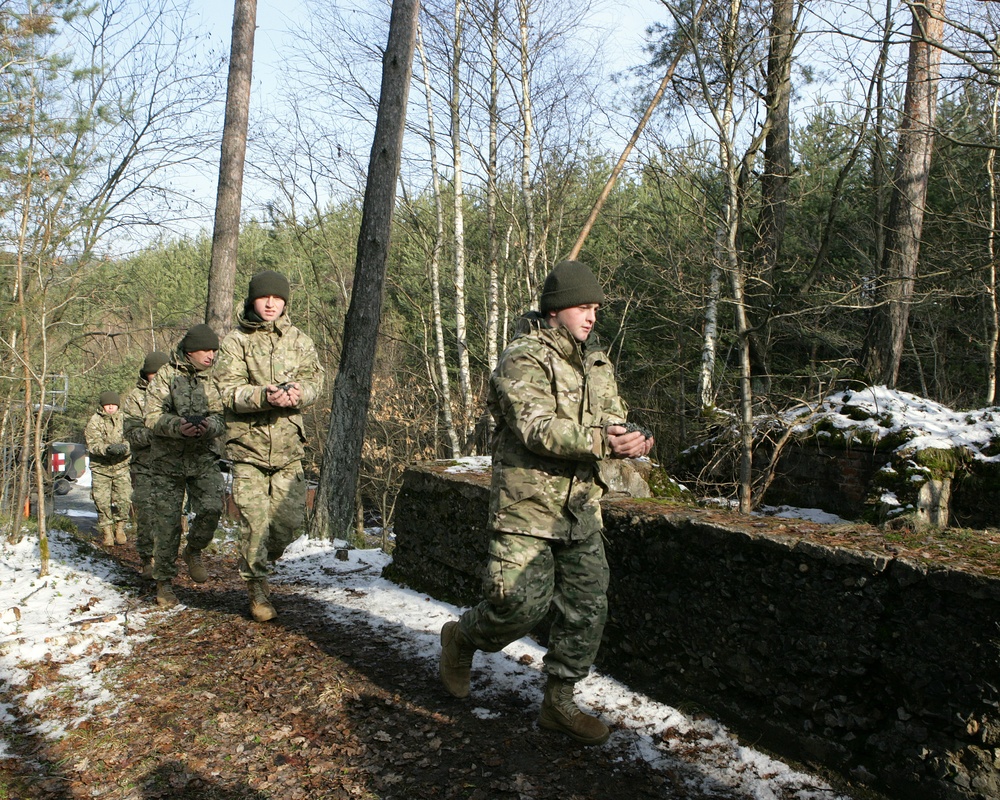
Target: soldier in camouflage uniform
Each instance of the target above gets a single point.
(557, 413)
(184, 412)
(268, 371)
(140, 438)
(111, 486)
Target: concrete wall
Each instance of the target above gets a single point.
(860, 661)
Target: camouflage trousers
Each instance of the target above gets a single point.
(272, 506)
(112, 496)
(525, 577)
(142, 505)
(202, 482)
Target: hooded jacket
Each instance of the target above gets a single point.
(551, 398)
(179, 390)
(252, 356)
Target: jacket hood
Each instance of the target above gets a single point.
(535, 322)
(243, 319)
(181, 363)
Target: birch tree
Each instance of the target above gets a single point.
(434, 265)
(458, 193)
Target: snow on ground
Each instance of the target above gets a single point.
(74, 617)
(77, 617)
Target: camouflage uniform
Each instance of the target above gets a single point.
(551, 398)
(265, 443)
(182, 463)
(140, 439)
(111, 486)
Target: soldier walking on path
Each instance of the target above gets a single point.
(555, 405)
(184, 412)
(111, 486)
(268, 371)
(140, 438)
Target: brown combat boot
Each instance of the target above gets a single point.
(165, 597)
(456, 660)
(120, 537)
(109, 535)
(147, 568)
(195, 568)
(260, 606)
(560, 713)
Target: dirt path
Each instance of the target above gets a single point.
(214, 706)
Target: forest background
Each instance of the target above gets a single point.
(812, 202)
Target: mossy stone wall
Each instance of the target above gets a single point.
(871, 665)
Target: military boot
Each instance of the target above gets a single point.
(260, 606)
(146, 568)
(120, 537)
(456, 660)
(195, 568)
(560, 713)
(109, 535)
(165, 597)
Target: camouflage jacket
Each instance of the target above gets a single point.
(180, 390)
(138, 435)
(102, 431)
(551, 398)
(251, 357)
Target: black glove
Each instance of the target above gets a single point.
(119, 449)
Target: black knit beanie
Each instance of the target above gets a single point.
(269, 284)
(109, 398)
(154, 360)
(569, 284)
(200, 337)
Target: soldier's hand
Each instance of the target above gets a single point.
(294, 393)
(192, 431)
(285, 395)
(118, 449)
(627, 444)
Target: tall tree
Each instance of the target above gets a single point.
(334, 510)
(883, 349)
(773, 184)
(458, 194)
(229, 198)
(434, 264)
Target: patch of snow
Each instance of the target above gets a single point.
(80, 587)
(471, 464)
(807, 514)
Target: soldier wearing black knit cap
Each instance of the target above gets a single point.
(140, 438)
(184, 412)
(111, 485)
(268, 372)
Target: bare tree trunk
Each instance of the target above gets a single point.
(773, 183)
(992, 313)
(229, 197)
(492, 201)
(441, 360)
(710, 337)
(731, 173)
(461, 335)
(335, 501)
(886, 338)
(527, 135)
